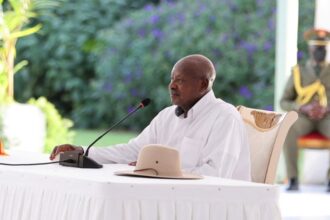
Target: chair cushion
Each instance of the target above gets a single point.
(314, 140)
(265, 120)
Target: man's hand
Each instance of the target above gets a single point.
(314, 110)
(132, 163)
(62, 148)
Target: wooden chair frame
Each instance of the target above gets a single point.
(278, 124)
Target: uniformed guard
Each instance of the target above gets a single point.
(308, 92)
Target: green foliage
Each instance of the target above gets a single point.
(62, 55)
(14, 16)
(85, 137)
(238, 36)
(58, 128)
(306, 21)
(142, 49)
(95, 71)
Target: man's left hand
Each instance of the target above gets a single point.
(318, 112)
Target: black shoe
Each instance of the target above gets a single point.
(293, 185)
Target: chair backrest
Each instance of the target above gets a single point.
(267, 131)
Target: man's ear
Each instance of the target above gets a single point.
(204, 85)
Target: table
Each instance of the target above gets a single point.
(56, 192)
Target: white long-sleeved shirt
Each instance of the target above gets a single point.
(211, 140)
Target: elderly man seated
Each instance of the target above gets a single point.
(208, 132)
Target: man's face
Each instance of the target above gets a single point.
(319, 53)
(185, 89)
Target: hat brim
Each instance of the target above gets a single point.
(144, 174)
(318, 42)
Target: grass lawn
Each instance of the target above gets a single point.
(86, 137)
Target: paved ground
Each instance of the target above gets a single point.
(311, 202)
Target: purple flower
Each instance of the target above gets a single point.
(233, 7)
(245, 92)
(142, 32)
(274, 10)
(271, 24)
(148, 7)
(154, 19)
(127, 78)
(168, 54)
(260, 2)
(202, 8)
(107, 87)
(300, 55)
(197, 13)
(138, 73)
(171, 4)
(119, 97)
(173, 19)
(212, 18)
(134, 92)
(269, 108)
(131, 108)
(157, 33)
(112, 50)
(224, 38)
(217, 52)
(127, 22)
(181, 18)
(250, 48)
(267, 46)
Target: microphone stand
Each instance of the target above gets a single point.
(76, 158)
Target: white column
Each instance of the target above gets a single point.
(286, 44)
(286, 54)
(322, 15)
(322, 18)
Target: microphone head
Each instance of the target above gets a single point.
(145, 102)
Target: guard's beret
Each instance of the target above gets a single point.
(317, 37)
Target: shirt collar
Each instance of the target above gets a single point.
(200, 105)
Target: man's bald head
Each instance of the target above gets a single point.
(196, 65)
(191, 78)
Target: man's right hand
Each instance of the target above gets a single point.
(314, 110)
(62, 148)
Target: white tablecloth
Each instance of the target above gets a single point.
(56, 192)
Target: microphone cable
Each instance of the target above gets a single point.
(34, 164)
(69, 162)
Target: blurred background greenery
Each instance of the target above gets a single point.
(84, 137)
(96, 59)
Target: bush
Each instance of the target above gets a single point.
(306, 21)
(238, 36)
(61, 56)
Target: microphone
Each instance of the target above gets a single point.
(78, 159)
